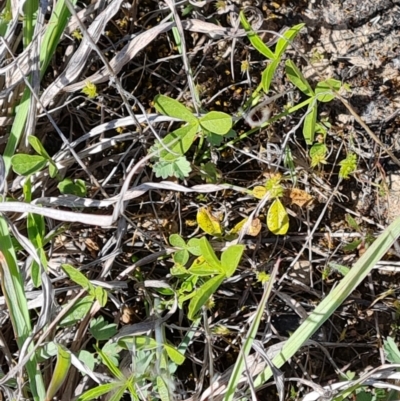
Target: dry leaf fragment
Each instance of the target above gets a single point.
(253, 229)
(300, 198)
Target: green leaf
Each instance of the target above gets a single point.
(178, 270)
(101, 296)
(23, 164)
(102, 330)
(318, 153)
(77, 277)
(348, 166)
(60, 372)
(112, 351)
(98, 391)
(209, 254)
(178, 142)
(277, 218)
(391, 350)
(297, 78)
(213, 139)
(77, 312)
(12, 286)
(309, 124)
(352, 246)
(268, 75)
(52, 169)
(37, 145)
(230, 259)
(112, 367)
(255, 40)
(193, 246)
(72, 187)
(352, 222)
(288, 162)
(172, 108)
(87, 358)
(203, 294)
(343, 270)
(181, 257)
(177, 241)
(27, 190)
(162, 388)
(217, 122)
(201, 267)
(174, 354)
(142, 343)
(325, 87)
(290, 34)
(179, 168)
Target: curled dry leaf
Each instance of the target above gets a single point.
(300, 198)
(253, 229)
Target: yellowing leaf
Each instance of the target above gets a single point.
(277, 218)
(208, 223)
(259, 192)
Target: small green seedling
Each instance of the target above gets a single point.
(274, 56)
(73, 187)
(324, 92)
(90, 90)
(24, 164)
(170, 160)
(82, 307)
(277, 216)
(203, 278)
(364, 242)
(348, 166)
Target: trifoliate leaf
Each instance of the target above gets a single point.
(179, 168)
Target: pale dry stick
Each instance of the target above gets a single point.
(60, 215)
